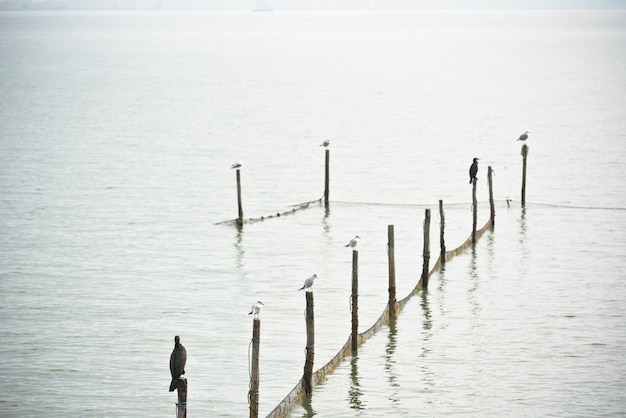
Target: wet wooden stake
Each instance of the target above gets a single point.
(181, 406)
(392, 270)
(442, 241)
(491, 205)
(253, 394)
(474, 210)
(327, 179)
(310, 344)
(355, 300)
(426, 252)
(239, 205)
(524, 155)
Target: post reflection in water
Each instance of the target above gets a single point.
(308, 409)
(472, 291)
(390, 363)
(239, 253)
(427, 373)
(355, 393)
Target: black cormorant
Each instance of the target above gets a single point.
(473, 170)
(177, 362)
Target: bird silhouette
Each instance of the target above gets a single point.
(325, 143)
(473, 170)
(178, 358)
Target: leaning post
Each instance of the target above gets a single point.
(355, 301)
(392, 270)
(426, 252)
(310, 343)
(253, 394)
(524, 155)
(492, 209)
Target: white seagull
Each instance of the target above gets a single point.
(308, 283)
(237, 165)
(524, 136)
(325, 144)
(353, 242)
(256, 309)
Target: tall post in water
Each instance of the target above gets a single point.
(492, 209)
(442, 241)
(310, 343)
(524, 155)
(253, 394)
(355, 301)
(392, 270)
(474, 210)
(181, 406)
(426, 252)
(239, 205)
(327, 179)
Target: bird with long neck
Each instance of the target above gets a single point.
(178, 358)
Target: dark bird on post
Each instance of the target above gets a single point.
(177, 362)
(473, 170)
(524, 136)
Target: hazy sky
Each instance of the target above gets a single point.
(309, 4)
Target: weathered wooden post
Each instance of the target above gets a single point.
(355, 300)
(239, 205)
(474, 210)
(181, 406)
(442, 241)
(327, 179)
(253, 394)
(491, 205)
(426, 252)
(524, 155)
(310, 343)
(392, 270)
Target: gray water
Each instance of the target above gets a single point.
(117, 131)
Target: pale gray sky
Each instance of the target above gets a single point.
(311, 4)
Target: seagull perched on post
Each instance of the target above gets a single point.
(524, 136)
(308, 283)
(178, 358)
(325, 144)
(353, 242)
(256, 309)
(473, 170)
(237, 165)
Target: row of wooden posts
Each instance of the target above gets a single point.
(253, 394)
(240, 219)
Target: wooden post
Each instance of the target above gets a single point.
(426, 252)
(181, 406)
(524, 155)
(442, 241)
(327, 179)
(239, 205)
(310, 343)
(355, 300)
(253, 394)
(474, 210)
(491, 205)
(392, 270)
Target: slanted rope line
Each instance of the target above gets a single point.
(296, 394)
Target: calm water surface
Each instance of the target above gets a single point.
(117, 131)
